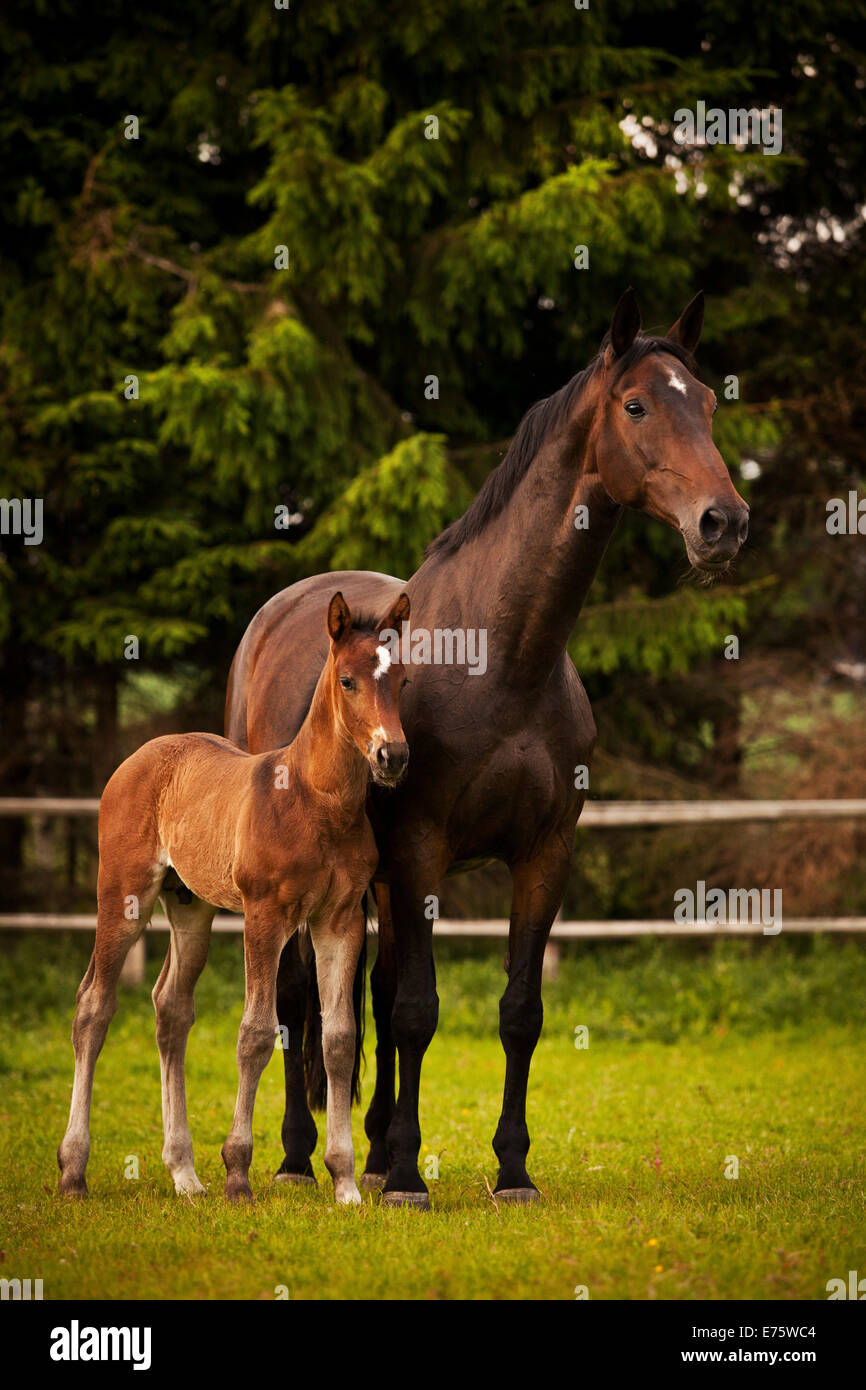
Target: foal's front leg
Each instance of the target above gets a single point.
(337, 938)
(266, 930)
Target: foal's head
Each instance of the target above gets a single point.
(366, 684)
(652, 436)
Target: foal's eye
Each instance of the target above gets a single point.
(634, 409)
(347, 683)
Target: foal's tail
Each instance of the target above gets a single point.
(314, 1059)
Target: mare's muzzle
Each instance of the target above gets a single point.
(721, 530)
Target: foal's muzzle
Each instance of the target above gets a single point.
(389, 762)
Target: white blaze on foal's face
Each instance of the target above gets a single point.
(383, 663)
(677, 383)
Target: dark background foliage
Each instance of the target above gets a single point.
(304, 388)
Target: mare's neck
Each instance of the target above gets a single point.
(526, 576)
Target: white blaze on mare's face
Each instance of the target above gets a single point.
(677, 383)
(384, 662)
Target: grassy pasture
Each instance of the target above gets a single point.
(753, 1050)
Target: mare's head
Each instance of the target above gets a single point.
(365, 687)
(652, 436)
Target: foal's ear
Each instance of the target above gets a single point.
(624, 326)
(339, 617)
(399, 613)
(687, 329)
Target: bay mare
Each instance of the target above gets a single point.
(494, 754)
(282, 837)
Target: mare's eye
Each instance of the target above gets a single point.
(634, 409)
(347, 683)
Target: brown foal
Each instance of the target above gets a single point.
(282, 836)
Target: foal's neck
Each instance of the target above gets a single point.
(324, 754)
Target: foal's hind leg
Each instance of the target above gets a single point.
(96, 1003)
(175, 1014)
(338, 941)
(266, 929)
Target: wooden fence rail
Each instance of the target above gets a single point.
(599, 814)
(595, 813)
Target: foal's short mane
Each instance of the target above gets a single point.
(368, 623)
(540, 420)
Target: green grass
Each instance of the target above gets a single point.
(753, 1050)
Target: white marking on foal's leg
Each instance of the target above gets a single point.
(175, 1013)
(677, 383)
(338, 945)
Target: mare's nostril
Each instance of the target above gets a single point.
(743, 530)
(713, 525)
(382, 756)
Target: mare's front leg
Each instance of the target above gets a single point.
(383, 990)
(338, 935)
(539, 884)
(266, 929)
(413, 1023)
(299, 1134)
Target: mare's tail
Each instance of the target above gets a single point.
(314, 1061)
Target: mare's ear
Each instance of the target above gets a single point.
(399, 613)
(339, 617)
(624, 326)
(687, 329)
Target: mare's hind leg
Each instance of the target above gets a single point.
(175, 1015)
(96, 1003)
(338, 941)
(266, 929)
(299, 1132)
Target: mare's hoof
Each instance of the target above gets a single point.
(74, 1189)
(419, 1200)
(517, 1196)
(372, 1182)
(238, 1192)
(300, 1179)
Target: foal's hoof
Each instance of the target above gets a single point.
(301, 1179)
(373, 1182)
(419, 1200)
(188, 1185)
(517, 1196)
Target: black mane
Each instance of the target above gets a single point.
(541, 419)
